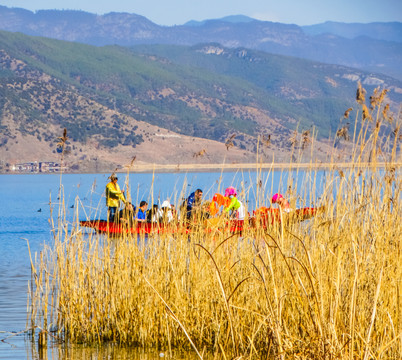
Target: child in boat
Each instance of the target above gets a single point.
(282, 202)
(142, 212)
(236, 207)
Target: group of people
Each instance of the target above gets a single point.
(166, 213)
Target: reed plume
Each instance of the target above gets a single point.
(327, 288)
(346, 114)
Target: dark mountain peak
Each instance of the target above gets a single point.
(14, 10)
(126, 15)
(235, 19)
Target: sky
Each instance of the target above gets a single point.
(178, 12)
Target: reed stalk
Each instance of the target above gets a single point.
(328, 288)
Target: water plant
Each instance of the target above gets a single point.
(326, 289)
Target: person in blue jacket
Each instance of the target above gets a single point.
(193, 202)
(142, 211)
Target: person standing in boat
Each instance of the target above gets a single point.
(236, 208)
(193, 202)
(113, 197)
(282, 202)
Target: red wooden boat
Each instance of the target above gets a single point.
(103, 226)
(264, 217)
(269, 216)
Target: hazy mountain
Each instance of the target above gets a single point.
(372, 47)
(230, 19)
(391, 31)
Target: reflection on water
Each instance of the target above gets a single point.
(110, 352)
(21, 346)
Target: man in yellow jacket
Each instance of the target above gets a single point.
(113, 197)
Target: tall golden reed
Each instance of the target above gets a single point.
(329, 288)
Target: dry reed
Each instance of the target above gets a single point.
(326, 289)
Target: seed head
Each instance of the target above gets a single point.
(366, 113)
(360, 94)
(305, 139)
(346, 114)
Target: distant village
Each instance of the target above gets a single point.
(33, 167)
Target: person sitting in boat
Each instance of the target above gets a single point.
(142, 212)
(236, 208)
(165, 213)
(113, 197)
(215, 204)
(126, 215)
(282, 202)
(152, 214)
(174, 211)
(205, 213)
(193, 203)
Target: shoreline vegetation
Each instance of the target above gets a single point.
(326, 288)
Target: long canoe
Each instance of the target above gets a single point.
(268, 216)
(104, 226)
(262, 217)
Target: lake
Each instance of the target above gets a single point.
(25, 214)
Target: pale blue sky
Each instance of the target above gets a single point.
(171, 12)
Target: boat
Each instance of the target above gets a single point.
(112, 228)
(269, 216)
(116, 229)
(263, 217)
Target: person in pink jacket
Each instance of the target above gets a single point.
(282, 202)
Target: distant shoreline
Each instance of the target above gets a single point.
(171, 168)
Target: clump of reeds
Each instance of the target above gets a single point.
(326, 289)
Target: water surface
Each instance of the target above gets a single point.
(28, 203)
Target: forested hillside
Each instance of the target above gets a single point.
(103, 94)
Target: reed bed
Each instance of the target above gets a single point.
(328, 288)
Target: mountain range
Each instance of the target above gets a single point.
(164, 103)
(374, 47)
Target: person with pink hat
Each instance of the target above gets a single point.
(236, 206)
(281, 201)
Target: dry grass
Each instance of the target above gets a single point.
(327, 289)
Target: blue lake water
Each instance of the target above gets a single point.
(25, 214)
